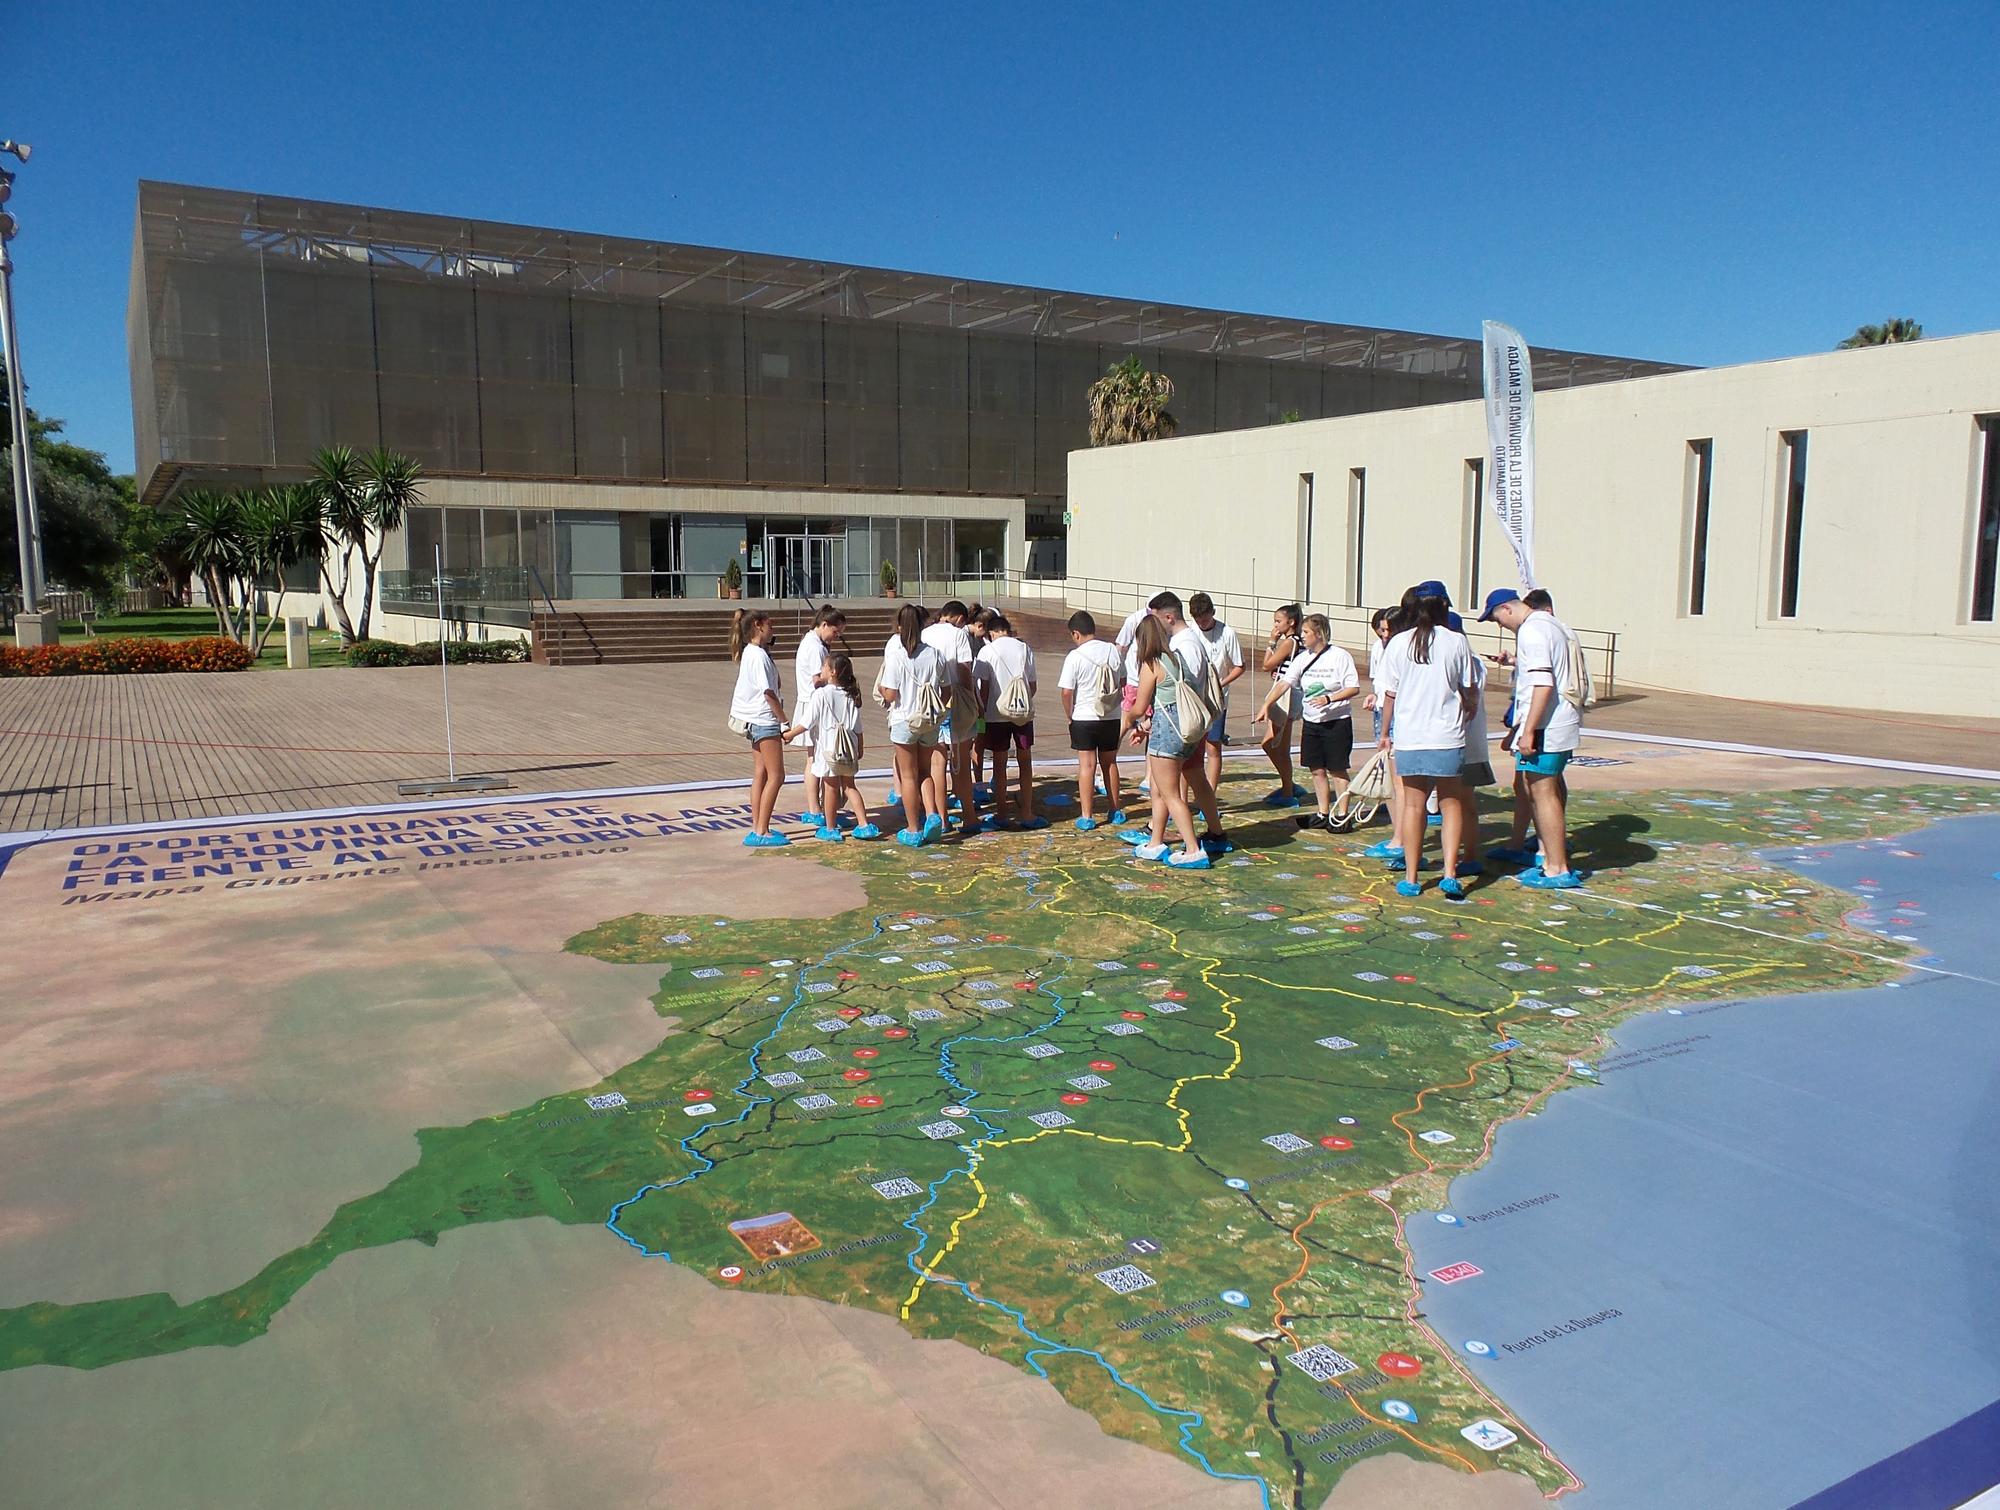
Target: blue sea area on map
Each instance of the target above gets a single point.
(1762, 1253)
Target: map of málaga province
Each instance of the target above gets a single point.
(446, 1162)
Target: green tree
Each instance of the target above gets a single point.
(212, 532)
(360, 500)
(80, 501)
(282, 529)
(1888, 333)
(1129, 403)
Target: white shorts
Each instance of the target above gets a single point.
(824, 766)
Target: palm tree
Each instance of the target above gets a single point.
(339, 490)
(282, 527)
(1888, 333)
(1130, 403)
(393, 484)
(211, 538)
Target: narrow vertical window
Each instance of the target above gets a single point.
(1794, 523)
(1305, 536)
(1986, 536)
(1475, 525)
(1357, 533)
(1701, 457)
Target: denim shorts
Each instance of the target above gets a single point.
(1429, 765)
(760, 731)
(899, 734)
(1164, 739)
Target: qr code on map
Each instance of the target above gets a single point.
(1286, 1142)
(1090, 1082)
(1110, 966)
(1124, 1279)
(1322, 1363)
(1121, 1029)
(993, 1003)
(831, 1025)
(931, 967)
(926, 1014)
(941, 1130)
(706, 972)
(1168, 1006)
(782, 1079)
(1041, 1050)
(804, 1056)
(814, 1103)
(896, 1190)
(674, 938)
(878, 1020)
(1050, 1119)
(820, 987)
(605, 1102)
(1336, 1042)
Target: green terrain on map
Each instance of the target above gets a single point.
(1187, 1013)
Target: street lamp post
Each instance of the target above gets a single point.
(27, 518)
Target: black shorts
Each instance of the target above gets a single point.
(996, 737)
(1099, 734)
(1327, 746)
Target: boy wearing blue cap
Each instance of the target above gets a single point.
(1548, 726)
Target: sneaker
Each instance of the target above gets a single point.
(1409, 888)
(830, 835)
(1085, 825)
(1340, 823)
(910, 838)
(1310, 820)
(1151, 852)
(765, 841)
(1451, 887)
(1382, 849)
(868, 831)
(1567, 880)
(1507, 856)
(1178, 861)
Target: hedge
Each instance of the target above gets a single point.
(457, 652)
(108, 657)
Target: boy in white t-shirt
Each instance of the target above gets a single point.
(1225, 653)
(1093, 676)
(1005, 670)
(1548, 726)
(1190, 647)
(1323, 682)
(948, 636)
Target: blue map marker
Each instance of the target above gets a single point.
(1236, 1298)
(1449, 1220)
(1235, 1184)
(1479, 1349)
(1399, 1410)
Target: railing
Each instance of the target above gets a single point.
(490, 595)
(1250, 613)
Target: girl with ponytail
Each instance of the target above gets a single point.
(756, 713)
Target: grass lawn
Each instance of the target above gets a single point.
(190, 623)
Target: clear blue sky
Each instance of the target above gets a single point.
(1700, 183)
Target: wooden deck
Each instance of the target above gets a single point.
(90, 750)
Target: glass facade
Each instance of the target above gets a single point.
(263, 328)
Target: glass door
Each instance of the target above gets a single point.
(801, 566)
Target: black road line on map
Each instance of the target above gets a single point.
(1284, 1436)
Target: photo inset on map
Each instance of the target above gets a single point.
(778, 1235)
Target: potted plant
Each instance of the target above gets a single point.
(732, 579)
(888, 579)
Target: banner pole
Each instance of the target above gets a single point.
(444, 673)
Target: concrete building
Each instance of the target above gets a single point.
(1819, 530)
(605, 418)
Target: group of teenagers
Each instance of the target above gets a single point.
(959, 686)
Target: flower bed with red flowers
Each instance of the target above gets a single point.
(111, 657)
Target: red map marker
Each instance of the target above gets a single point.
(854, 1074)
(1133, 1016)
(753, 970)
(697, 1095)
(1353, 928)
(1103, 1065)
(850, 1013)
(868, 1101)
(850, 975)
(1402, 1365)
(895, 1032)
(1074, 1098)
(1407, 979)
(867, 1053)
(1545, 967)
(1146, 964)
(1177, 996)
(1331, 1141)
(1024, 985)
(1461, 937)
(996, 938)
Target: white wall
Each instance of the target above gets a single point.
(1892, 488)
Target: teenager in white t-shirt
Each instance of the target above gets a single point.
(826, 714)
(1225, 653)
(1285, 643)
(1091, 683)
(1127, 631)
(1005, 660)
(1548, 726)
(1190, 648)
(807, 666)
(911, 673)
(1322, 677)
(950, 637)
(1428, 686)
(756, 712)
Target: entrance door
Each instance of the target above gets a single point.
(802, 566)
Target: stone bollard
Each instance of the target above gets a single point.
(32, 629)
(298, 645)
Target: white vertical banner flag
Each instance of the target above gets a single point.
(1510, 436)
